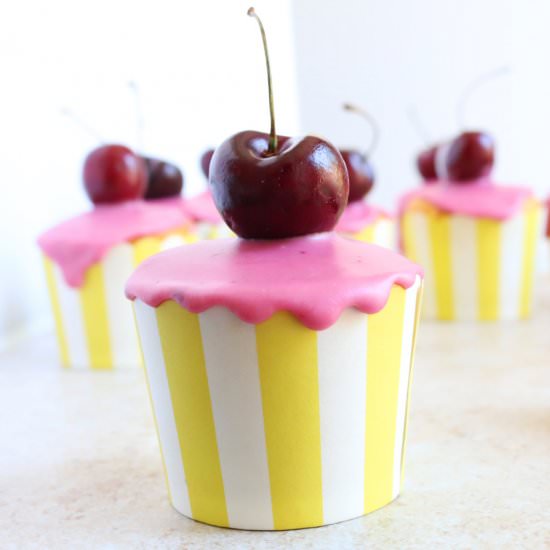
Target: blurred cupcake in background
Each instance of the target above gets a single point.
(89, 257)
(475, 239)
(361, 220)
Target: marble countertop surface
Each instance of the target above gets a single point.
(80, 467)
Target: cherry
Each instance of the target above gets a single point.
(164, 179)
(425, 162)
(469, 156)
(206, 157)
(360, 171)
(271, 187)
(114, 173)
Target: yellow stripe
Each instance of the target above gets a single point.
(419, 295)
(384, 333)
(488, 267)
(57, 315)
(532, 213)
(143, 248)
(186, 373)
(95, 317)
(440, 239)
(287, 360)
(367, 234)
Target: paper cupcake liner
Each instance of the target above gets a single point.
(277, 426)
(475, 268)
(382, 232)
(94, 323)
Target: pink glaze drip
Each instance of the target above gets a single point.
(315, 278)
(480, 200)
(201, 208)
(80, 242)
(359, 215)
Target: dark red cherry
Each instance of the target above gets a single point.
(114, 173)
(165, 179)
(469, 156)
(299, 189)
(360, 172)
(206, 157)
(425, 162)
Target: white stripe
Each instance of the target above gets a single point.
(117, 267)
(162, 405)
(422, 244)
(71, 313)
(232, 367)
(404, 373)
(512, 265)
(171, 241)
(385, 234)
(342, 364)
(463, 237)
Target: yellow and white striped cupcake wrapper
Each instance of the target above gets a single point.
(276, 426)
(382, 232)
(94, 323)
(475, 268)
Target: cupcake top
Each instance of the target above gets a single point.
(314, 277)
(78, 243)
(358, 215)
(482, 199)
(201, 208)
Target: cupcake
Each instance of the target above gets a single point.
(279, 373)
(475, 239)
(278, 363)
(361, 220)
(88, 258)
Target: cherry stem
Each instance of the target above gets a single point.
(133, 85)
(81, 124)
(372, 123)
(418, 124)
(472, 87)
(272, 148)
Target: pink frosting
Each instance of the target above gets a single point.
(315, 277)
(80, 242)
(201, 208)
(483, 199)
(359, 215)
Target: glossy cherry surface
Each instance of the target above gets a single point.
(360, 173)
(114, 173)
(301, 188)
(164, 179)
(425, 162)
(469, 156)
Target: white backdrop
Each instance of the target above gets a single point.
(389, 55)
(201, 71)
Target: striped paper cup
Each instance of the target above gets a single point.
(277, 426)
(382, 232)
(475, 268)
(94, 323)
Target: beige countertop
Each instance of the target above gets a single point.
(80, 468)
